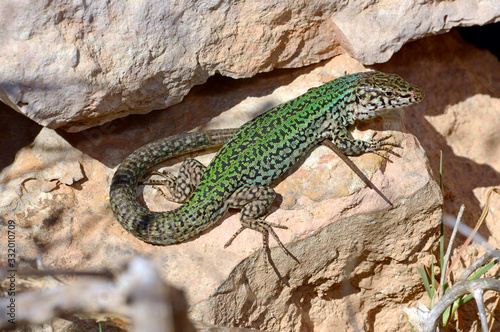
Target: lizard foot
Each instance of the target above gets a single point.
(375, 145)
(265, 228)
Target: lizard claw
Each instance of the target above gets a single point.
(375, 145)
(265, 228)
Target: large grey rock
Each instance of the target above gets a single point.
(80, 64)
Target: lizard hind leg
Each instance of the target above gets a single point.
(180, 187)
(255, 202)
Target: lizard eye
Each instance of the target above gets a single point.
(389, 93)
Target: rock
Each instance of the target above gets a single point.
(357, 256)
(460, 118)
(344, 238)
(377, 31)
(81, 64)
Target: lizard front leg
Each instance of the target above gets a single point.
(255, 202)
(353, 147)
(180, 187)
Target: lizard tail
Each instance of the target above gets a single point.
(137, 219)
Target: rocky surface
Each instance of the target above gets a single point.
(461, 117)
(79, 64)
(354, 256)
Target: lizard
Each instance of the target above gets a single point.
(251, 158)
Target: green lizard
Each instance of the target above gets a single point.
(252, 157)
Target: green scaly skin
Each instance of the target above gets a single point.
(252, 158)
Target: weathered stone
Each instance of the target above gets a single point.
(63, 213)
(460, 118)
(376, 31)
(79, 64)
(357, 255)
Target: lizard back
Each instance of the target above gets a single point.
(256, 154)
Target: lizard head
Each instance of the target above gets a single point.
(377, 91)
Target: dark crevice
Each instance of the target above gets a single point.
(486, 36)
